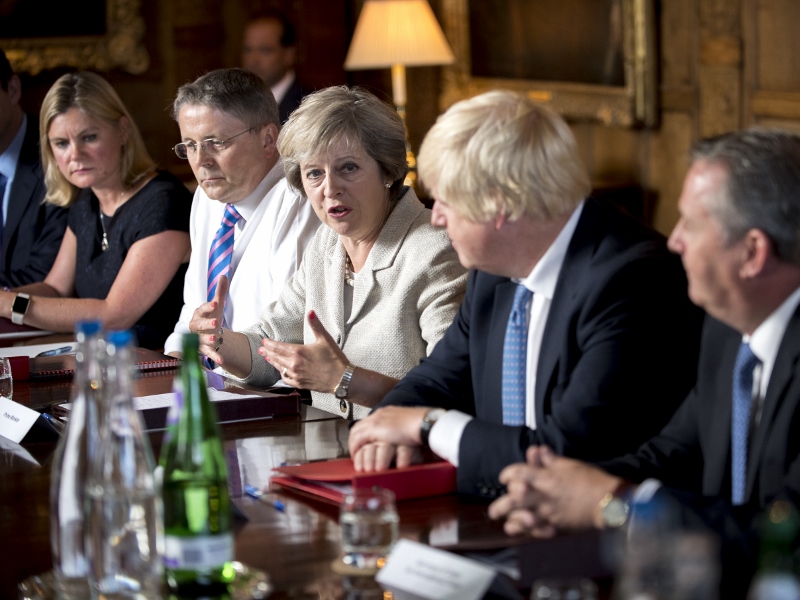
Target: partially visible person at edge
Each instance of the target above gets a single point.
(126, 246)
(269, 49)
(31, 229)
(732, 448)
(378, 285)
(247, 223)
(576, 330)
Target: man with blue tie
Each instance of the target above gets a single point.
(248, 227)
(575, 331)
(30, 231)
(733, 445)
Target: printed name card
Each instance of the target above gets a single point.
(15, 419)
(423, 572)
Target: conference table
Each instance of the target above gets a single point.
(296, 546)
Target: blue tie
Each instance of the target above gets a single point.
(219, 257)
(3, 181)
(746, 361)
(515, 352)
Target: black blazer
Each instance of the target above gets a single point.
(291, 100)
(618, 355)
(32, 231)
(691, 455)
(692, 452)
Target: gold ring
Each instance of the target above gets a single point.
(283, 373)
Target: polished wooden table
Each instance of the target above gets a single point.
(295, 547)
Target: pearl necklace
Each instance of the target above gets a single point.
(349, 272)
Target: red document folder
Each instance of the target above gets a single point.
(417, 481)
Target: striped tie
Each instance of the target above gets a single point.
(515, 351)
(219, 258)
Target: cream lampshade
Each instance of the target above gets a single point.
(397, 34)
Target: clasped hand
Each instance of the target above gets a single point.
(549, 493)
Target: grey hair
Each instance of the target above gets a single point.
(236, 92)
(341, 113)
(762, 187)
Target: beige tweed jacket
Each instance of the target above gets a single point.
(404, 299)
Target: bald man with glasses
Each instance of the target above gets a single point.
(248, 227)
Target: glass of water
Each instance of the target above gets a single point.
(6, 382)
(369, 523)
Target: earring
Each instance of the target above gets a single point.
(387, 184)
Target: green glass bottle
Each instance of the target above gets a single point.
(198, 545)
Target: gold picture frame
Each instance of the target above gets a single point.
(119, 46)
(632, 103)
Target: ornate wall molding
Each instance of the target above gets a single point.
(121, 45)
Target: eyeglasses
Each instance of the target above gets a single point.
(211, 146)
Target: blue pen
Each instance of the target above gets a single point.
(254, 492)
(55, 352)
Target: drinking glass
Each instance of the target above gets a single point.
(369, 521)
(6, 381)
(569, 588)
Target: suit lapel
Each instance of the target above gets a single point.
(21, 195)
(385, 249)
(717, 467)
(493, 373)
(781, 376)
(573, 273)
(334, 280)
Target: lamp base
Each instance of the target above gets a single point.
(411, 176)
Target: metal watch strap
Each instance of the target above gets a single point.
(427, 424)
(19, 308)
(344, 385)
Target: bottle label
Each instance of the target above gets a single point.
(199, 552)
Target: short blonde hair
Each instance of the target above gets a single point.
(502, 153)
(94, 96)
(340, 113)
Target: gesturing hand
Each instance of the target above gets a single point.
(315, 366)
(207, 320)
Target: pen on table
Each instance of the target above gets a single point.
(55, 352)
(254, 492)
(55, 422)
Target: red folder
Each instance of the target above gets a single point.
(417, 481)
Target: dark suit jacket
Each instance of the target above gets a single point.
(618, 355)
(291, 100)
(692, 452)
(32, 231)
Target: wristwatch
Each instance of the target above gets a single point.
(344, 384)
(19, 308)
(615, 507)
(428, 421)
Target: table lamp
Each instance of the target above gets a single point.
(397, 34)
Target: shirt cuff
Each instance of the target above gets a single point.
(445, 435)
(173, 343)
(645, 491)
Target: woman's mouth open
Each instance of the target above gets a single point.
(337, 212)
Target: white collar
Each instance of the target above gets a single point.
(247, 206)
(279, 89)
(544, 277)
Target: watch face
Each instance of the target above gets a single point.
(340, 392)
(615, 512)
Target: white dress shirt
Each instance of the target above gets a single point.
(765, 342)
(279, 89)
(445, 435)
(269, 240)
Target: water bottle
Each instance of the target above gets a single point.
(70, 467)
(123, 508)
(197, 516)
(779, 534)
